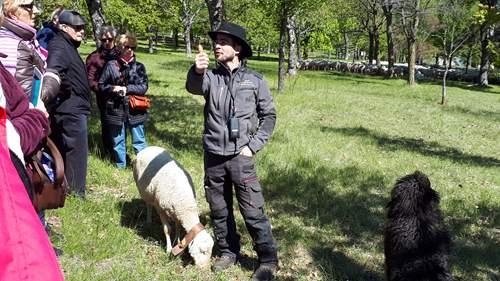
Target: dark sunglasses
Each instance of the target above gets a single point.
(106, 39)
(27, 7)
(130, 47)
(78, 27)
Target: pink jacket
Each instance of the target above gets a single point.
(26, 253)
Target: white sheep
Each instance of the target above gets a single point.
(164, 185)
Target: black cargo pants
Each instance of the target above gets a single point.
(221, 173)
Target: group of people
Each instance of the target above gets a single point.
(239, 114)
(59, 109)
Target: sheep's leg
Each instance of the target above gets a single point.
(166, 230)
(177, 237)
(149, 213)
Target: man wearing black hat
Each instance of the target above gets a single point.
(71, 106)
(239, 119)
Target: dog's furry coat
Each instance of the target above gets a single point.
(416, 241)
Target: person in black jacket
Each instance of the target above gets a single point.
(239, 120)
(120, 79)
(70, 108)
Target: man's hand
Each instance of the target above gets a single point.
(246, 151)
(201, 61)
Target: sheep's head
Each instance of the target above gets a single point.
(200, 249)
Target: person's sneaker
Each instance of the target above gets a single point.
(265, 272)
(223, 262)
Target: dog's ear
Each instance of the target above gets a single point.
(422, 179)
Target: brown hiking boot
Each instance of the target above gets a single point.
(223, 262)
(265, 272)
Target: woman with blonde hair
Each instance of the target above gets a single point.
(120, 79)
(18, 42)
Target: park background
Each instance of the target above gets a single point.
(341, 141)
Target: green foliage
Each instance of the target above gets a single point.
(487, 14)
(456, 24)
(258, 20)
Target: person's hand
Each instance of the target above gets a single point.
(201, 61)
(246, 151)
(121, 90)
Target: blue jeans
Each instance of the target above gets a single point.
(119, 135)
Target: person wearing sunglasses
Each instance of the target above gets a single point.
(70, 107)
(18, 42)
(121, 78)
(95, 64)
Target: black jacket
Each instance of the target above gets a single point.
(133, 75)
(74, 92)
(253, 107)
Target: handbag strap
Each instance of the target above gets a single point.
(58, 161)
(37, 164)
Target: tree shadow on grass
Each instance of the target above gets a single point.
(432, 149)
(176, 121)
(479, 251)
(341, 267)
(306, 190)
(463, 85)
(133, 216)
(357, 78)
(490, 115)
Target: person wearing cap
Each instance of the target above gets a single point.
(239, 119)
(95, 65)
(50, 28)
(70, 107)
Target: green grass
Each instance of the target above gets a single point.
(340, 143)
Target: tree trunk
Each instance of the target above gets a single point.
(176, 38)
(281, 53)
(98, 20)
(411, 61)
(292, 45)
(215, 12)
(443, 89)
(387, 8)
(187, 39)
(376, 47)
(299, 51)
(486, 32)
(150, 39)
(346, 46)
(370, 47)
(469, 56)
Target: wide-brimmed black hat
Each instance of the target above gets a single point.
(72, 18)
(238, 33)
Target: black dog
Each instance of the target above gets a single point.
(416, 241)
